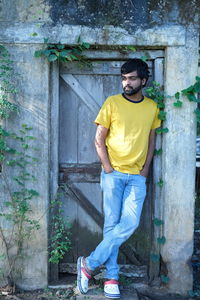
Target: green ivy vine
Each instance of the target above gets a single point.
(64, 53)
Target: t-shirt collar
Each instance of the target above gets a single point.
(123, 95)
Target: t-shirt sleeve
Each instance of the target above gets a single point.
(156, 122)
(104, 116)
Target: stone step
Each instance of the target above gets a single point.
(128, 270)
(98, 294)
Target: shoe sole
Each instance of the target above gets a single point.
(79, 276)
(112, 296)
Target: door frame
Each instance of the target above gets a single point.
(158, 56)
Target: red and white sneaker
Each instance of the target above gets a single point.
(82, 276)
(111, 289)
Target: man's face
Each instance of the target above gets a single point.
(131, 83)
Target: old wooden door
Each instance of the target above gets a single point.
(82, 92)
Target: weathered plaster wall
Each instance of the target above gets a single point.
(156, 24)
(22, 11)
(179, 166)
(33, 100)
(128, 14)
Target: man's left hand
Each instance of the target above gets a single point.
(144, 172)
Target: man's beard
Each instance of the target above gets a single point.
(132, 91)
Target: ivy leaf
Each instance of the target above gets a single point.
(160, 182)
(197, 113)
(33, 193)
(2, 157)
(11, 162)
(162, 130)
(161, 240)
(25, 126)
(60, 46)
(38, 53)
(86, 45)
(65, 53)
(178, 103)
(191, 293)
(155, 257)
(188, 90)
(158, 151)
(132, 48)
(8, 203)
(162, 115)
(177, 95)
(158, 222)
(191, 97)
(197, 87)
(144, 58)
(155, 83)
(34, 34)
(47, 52)
(161, 105)
(52, 57)
(4, 132)
(56, 52)
(11, 150)
(76, 51)
(164, 279)
(30, 137)
(25, 146)
(73, 57)
(51, 46)
(46, 40)
(79, 39)
(197, 78)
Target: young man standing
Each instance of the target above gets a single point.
(125, 141)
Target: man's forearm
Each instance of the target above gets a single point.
(103, 156)
(101, 149)
(150, 153)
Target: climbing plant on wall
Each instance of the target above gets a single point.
(17, 221)
(64, 53)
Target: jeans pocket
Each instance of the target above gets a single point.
(107, 173)
(143, 177)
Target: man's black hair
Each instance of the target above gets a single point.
(138, 65)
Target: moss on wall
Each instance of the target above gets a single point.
(129, 14)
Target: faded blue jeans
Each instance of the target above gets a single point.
(123, 198)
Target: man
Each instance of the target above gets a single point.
(125, 140)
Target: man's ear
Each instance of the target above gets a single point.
(144, 81)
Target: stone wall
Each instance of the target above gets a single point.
(127, 14)
(33, 101)
(168, 25)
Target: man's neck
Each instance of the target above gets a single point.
(135, 97)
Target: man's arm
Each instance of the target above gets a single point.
(151, 147)
(100, 143)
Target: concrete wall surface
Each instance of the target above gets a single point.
(33, 101)
(179, 166)
(25, 24)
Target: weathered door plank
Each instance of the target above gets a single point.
(81, 92)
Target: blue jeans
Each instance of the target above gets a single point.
(123, 198)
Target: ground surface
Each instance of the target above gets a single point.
(130, 289)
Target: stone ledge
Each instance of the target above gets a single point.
(163, 36)
(95, 293)
(130, 271)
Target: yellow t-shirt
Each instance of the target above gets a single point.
(129, 125)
